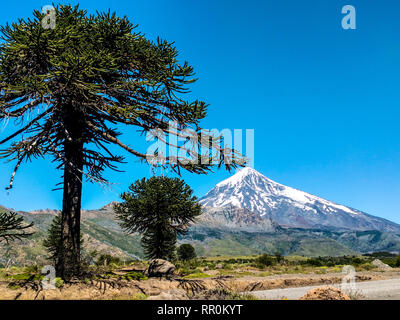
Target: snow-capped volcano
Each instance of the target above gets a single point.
(253, 191)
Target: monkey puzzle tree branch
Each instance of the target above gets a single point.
(12, 227)
(110, 138)
(20, 111)
(27, 126)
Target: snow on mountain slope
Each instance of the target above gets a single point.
(288, 206)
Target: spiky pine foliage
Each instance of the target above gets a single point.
(159, 208)
(53, 241)
(69, 87)
(13, 227)
(186, 252)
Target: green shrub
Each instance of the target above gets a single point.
(211, 265)
(356, 261)
(265, 261)
(33, 269)
(26, 276)
(189, 264)
(397, 262)
(334, 261)
(197, 275)
(135, 276)
(394, 262)
(14, 286)
(184, 271)
(380, 255)
(279, 258)
(107, 259)
(315, 262)
(186, 252)
(227, 266)
(140, 296)
(59, 282)
(368, 266)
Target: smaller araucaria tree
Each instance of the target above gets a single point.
(13, 227)
(53, 242)
(186, 252)
(160, 209)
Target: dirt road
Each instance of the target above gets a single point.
(368, 290)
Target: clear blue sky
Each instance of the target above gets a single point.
(324, 102)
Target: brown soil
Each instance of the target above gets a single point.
(325, 293)
(108, 289)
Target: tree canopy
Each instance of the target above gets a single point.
(95, 71)
(186, 252)
(159, 208)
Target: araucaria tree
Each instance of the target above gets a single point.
(186, 252)
(68, 87)
(159, 209)
(53, 241)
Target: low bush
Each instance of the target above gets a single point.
(264, 260)
(59, 282)
(139, 296)
(227, 266)
(107, 259)
(187, 271)
(135, 276)
(333, 261)
(197, 275)
(26, 276)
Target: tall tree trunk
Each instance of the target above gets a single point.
(69, 260)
